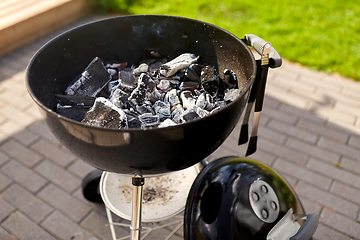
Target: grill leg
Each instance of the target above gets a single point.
(135, 227)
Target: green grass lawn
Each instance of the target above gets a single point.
(321, 34)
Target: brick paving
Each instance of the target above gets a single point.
(309, 132)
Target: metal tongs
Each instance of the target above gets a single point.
(269, 58)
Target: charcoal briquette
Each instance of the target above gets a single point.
(76, 113)
(190, 116)
(167, 123)
(138, 94)
(113, 73)
(201, 112)
(134, 123)
(187, 99)
(193, 72)
(230, 78)
(145, 108)
(210, 102)
(156, 96)
(127, 77)
(176, 114)
(201, 101)
(155, 65)
(172, 97)
(149, 120)
(142, 68)
(231, 94)
(164, 85)
(162, 109)
(105, 114)
(119, 97)
(179, 63)
(75, 100)
(210, 80)
(94, 78)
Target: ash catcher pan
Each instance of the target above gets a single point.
(130, 39)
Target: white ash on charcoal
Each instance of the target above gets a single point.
(105, 114)
(188, 100)
(167, 123)
(179, 63)
(177, 114)
(172, 97)
(162, 109)
(149, 120)
(156, 93)
(94, 78)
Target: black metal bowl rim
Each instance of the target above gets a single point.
(136, 129)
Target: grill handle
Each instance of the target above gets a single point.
(258, 44)
(308, 228)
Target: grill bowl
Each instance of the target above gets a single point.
(123, 39)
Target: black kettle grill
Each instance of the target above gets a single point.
(123, 39)
(141, 153)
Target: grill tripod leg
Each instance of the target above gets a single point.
(135, 227)
(111, 223)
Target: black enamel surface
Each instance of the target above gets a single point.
(218, 205)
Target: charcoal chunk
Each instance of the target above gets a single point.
(179, 63)
(134, 122)
(162, 109)
(164, 85)
(177, 114)
(127, 77)
(201, 101)
(193, 72)
(187, 99)
(172, 97)
(142, 68)
(149, 120)
(145, 108)
(210, 102)
(94, 78)
(151, 85)
(154, 64)
(119, 84)
(75, 100)
(190, 116)
(156, 96)
(138, 94)
(129, 105)
(113, 73)
(76, 113)
(166, 123)
(219, 105)
(201, 112)
(231, 94)
(119, 97)
(230, 78)
(210, 80)
(105, 114)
